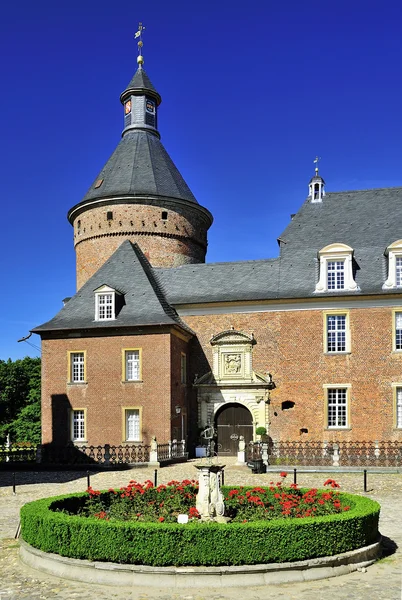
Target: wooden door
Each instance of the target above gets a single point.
(232, 421)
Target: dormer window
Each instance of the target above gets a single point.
(105, 303)
(336, 269)
(394, 279)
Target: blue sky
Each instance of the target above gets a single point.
(250, 95)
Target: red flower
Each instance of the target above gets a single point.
(283, 474)
(332, 483)
(161, 519)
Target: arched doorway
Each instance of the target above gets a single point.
(232, 421)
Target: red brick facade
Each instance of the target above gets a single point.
(105, 394)
(178, 238)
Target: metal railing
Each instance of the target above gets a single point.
(334, 454)
(106, 455)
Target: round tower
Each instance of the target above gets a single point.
(139, 195)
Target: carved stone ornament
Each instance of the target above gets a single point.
(232, 364)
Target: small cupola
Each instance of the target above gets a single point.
(140, 99)
(316, 186)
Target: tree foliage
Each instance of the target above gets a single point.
(20, 392)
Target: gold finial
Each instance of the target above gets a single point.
(138, 34)
(316, 161)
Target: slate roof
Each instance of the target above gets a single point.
(139, 166)
(368, 221)
(141, 82)
(128, 271)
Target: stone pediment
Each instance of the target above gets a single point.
(256, 378)
(231, 336)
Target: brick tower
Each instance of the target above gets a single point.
(139, 195)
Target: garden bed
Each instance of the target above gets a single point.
(46, 527)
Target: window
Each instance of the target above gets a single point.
(78, 425)
(105, 303)
(132, 364)
(77, 371)
(398, 407)
(336, 269)
(394, 253)
(397, 330)
(105, 307)
(183, 368)
(337, 407)
(335, 275)
(336, 332)
(132, 424)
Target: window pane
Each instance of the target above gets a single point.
(399, 407)
(78, 425)
(77, 367)
(133, 425)
(132, 365)
(398, 274)
(337, 407)
(105, 306)
(398, 331)
(336, 333)
(336, 275)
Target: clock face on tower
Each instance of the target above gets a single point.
(150, 106)
(127, 107)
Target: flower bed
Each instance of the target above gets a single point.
(138, 525)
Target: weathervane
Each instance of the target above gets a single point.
(316, 161)
(138, 34)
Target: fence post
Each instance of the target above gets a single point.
(107, 455)
(335, 456)
(38, 455)
(377, 449)
(183, 447)
(7, 445)
(264, 453)
(153, 455)
(169, 449)
(241, 451)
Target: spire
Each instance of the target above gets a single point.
(316, 190)
(140, 43)
(140, 99)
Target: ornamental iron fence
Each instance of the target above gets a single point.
(105, 455)
(333, 454)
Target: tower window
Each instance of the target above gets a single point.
(78, 224)
(164, 215)
(109, 215)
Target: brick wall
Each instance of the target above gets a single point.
(179, 239)
(105, 394)
(290, 347)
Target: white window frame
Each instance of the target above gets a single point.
(336, 253)
(77, 366)
(132, 365)
(133, 412)
(78, 424)
(337, 333)
(397, 402)
(394, 279)
(337, 395)
(105, 303)
(397, 330)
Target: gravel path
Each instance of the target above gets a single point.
(381, 581)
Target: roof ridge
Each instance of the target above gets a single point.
(395, 187)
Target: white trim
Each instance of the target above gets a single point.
(266, 306)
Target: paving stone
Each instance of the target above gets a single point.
(381, 581)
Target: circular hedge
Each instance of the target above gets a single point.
(43, 526)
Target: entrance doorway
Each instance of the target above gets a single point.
(232, 421)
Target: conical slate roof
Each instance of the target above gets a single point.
(140, 83)
(140, 166)
(128, 272)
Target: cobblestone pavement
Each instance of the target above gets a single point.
(381, 581)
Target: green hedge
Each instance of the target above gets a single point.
(197, 543)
